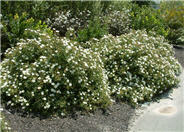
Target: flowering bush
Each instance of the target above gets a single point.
(49, 75)
(79, 27)
(65, 20)
(92, 23)
(118, 20)
(139, 66)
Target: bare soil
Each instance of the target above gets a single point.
(115, 119)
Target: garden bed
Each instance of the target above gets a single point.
(83, 66)
(115, 119)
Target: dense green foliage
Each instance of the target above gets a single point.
(173, 12)
(14, 27)
(38, 10)
(149, 19)
(59, 16)
(141, 3)
(94, 30)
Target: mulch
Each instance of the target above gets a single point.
(115, 119)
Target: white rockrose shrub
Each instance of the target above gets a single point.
(139, 66)
(51, 75)
(65, 20)
(118, 21)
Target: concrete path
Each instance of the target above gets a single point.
(167, 115)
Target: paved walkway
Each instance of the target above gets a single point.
(167, 115)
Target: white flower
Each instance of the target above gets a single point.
(32, 93)
(62, 114)
(9, 102)
(47, 106)
(85, 102)
(85, 64)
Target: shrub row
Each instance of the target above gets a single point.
(50, 75)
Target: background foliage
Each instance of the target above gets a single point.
(14, 27)
(173, 14)
(150, 19)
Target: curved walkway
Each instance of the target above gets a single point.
(167, 115)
